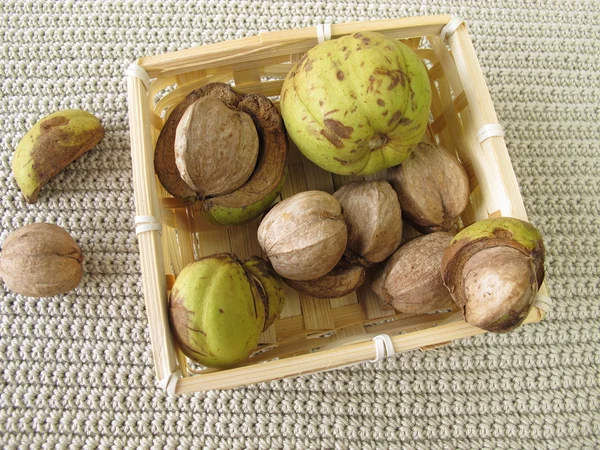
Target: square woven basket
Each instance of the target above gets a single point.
(312, 335)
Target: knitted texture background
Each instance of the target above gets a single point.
(76, 370)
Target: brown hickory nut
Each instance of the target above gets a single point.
(215, 147)
(372, 213)
(411, 280)
(342, 280)
(164, 154)
(41, 260)
(433, 188)
(304, 236)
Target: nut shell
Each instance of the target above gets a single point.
(164, 153)
(41, 260)
(304, 236)
(500, 288)
(410, 280)
(216, 147)
(373, 216)
(433, 188)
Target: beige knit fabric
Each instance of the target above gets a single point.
(76, 370)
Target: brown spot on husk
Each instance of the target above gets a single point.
(340, 75)
(339, 128)
(395, 118)
(380, 102)
(336, 141)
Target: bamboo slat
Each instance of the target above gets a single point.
(146, 204)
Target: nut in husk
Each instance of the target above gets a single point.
(164, 153)
(304, 236)
(342, 280)
(433, 188)
(217, 311)
(41, 260)
(53, 143)
(357, 104)
(216, 147)
(262, 189)
(410, 280)
(493, 270)
(372, 213)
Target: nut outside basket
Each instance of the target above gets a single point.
(312, 335)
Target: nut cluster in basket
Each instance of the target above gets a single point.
(356, 105)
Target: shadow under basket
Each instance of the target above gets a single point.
(312, 335)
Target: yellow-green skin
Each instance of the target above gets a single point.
(272, 285)
(216, 311)
(357, 104)
(50, 145)
(220, 214)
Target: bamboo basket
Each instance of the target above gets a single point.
(312, 335)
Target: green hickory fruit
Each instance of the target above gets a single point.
(216, 310)
(52, 144)
(357, 104)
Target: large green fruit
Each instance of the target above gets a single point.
(357, 104)
(217, 311)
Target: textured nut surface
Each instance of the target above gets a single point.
(411, 280)
(164, 153)
(433, 188)
(215, 147)
(304, 236)
(500, 288)
(41, 260)
(373, 216)
(486, 245)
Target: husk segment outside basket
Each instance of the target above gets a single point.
(312, 335)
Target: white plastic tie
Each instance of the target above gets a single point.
(384, 347)
(146, 223)
(451, 27)
(323, 32)
(542, 302)
(135, 70)
(169, 383)
(489, 130)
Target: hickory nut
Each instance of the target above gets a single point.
(493, 269)
(433, 188)
(41, 260)
(304, 236)
(411, 280)
(372, 213)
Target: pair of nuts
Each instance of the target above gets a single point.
(320, 243)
